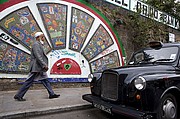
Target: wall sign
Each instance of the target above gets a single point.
(171, 37)
(147, 11)
(6, 37)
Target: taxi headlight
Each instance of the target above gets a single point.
(90, 77)
(140, 83)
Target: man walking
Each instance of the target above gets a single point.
(38, 68)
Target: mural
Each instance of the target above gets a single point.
(99, 42)
(22, 26)
(109, 61)
(79, 40)
(54, 19)
(80, 25)
(13, 59)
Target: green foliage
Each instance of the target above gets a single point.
(168, 6)
(3, 1)
(143, 30)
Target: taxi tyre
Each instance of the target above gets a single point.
(167, 108)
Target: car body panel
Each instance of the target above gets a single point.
(116, 87)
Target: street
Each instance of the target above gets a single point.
(90, 113)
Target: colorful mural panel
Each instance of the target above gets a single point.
(80, 25)
(22, 26)
(13, 59)
(66, 66)
(109, 61)
(99, 42)
(55, 20)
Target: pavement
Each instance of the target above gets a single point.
(38, 103)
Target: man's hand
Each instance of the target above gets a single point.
(45, 68)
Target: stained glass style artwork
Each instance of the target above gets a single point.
(109, 61)
(55, 21)
(13, 59)
(80, 25)
(98, 43)
(22, 26)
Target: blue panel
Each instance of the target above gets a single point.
(56, 80)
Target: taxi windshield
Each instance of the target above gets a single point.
(164, 54)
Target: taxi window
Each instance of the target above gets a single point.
(164, 54)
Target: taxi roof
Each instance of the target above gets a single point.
(177, 44)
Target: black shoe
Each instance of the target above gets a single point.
(53, 96)
(19, 98)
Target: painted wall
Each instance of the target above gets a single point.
(79, 40)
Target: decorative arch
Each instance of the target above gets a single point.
(78, 37)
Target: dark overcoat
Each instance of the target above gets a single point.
(39, 60)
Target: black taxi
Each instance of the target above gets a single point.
(147, 87)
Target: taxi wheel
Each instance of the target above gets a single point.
(167, 108)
